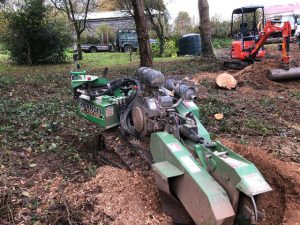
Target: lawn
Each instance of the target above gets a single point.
(91, 61)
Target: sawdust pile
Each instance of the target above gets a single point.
(256, 75)
(282, 205)
(113, 196)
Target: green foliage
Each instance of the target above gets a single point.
(266, 101)
(221, 42)
(33, 38)
(170, 49)
(6, 81)
(220, 28)
(297, 94)
(86, 38)
(257, 125)
(105, 34)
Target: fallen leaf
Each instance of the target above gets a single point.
(219, 116)
(29, 150)
(25, 193)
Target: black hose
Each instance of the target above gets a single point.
(125, 119)
(114, 84)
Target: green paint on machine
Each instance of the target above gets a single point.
(213, 184)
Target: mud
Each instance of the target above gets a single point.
(282, 205)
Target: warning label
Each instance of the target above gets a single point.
(233, 162)
(189, 104)
(175, 147)
(257, 183)
(190, 164)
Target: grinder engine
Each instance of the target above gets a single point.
(151, 107)
(154, 108)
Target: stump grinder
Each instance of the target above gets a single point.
(200, 181)
(249, 39)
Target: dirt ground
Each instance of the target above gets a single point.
(48, 170)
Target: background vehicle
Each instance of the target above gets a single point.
(93, 48)
(126, 40)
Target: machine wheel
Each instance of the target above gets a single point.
(93, 50)
(128, 48)
(248, 212)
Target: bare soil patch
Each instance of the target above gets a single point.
(282, 204)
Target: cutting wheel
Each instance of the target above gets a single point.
(248, 213)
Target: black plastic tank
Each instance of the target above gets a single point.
(190, 44)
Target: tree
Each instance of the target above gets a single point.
(205, 28)
(32, 38)
(76, 11)
(141, 29)
(108, 5)
(105, 34)
(219, 28)
(183, 23)
(157, 14)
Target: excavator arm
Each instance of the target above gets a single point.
(269, 29)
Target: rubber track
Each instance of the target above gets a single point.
(135, 157)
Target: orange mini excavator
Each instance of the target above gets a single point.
(249, 40)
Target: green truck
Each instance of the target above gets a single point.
(126, 40)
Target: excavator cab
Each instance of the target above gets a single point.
(246, 24)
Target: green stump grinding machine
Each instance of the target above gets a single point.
(200, 181)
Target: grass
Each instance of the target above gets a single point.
(265, 102)
(297, 94)
(222, 42)
(90, 60)
(257, 125)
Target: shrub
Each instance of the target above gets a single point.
(222, 42)
(170, 49)
(33, 38)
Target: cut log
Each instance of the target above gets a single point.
(281, 74)
(226, 80)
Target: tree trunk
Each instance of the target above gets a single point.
(29, 60)
(161, 44)
(143, 37)
(205, 29)
(78, 43)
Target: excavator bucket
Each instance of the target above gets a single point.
(281, 74)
